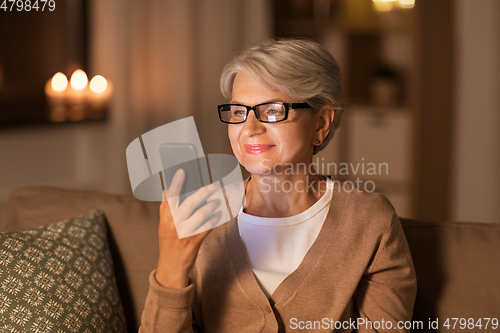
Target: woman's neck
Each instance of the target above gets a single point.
(282, 195)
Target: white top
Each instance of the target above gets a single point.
(277, 246)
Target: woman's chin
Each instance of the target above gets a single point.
(258, 168)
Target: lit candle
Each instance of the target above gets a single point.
(55, 90)
(99, 94)
(79, 80)
(77, 99)
(76, 95)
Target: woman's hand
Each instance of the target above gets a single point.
(177, 256)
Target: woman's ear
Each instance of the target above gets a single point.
(324, 121)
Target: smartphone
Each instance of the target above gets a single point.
(184, 156)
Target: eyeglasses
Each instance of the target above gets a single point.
(266, 112)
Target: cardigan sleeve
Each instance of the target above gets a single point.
(387, 291)
(168, 310)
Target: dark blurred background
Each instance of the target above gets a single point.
(421, 78)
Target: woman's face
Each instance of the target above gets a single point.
(269, 147)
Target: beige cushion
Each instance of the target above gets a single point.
(458, 270)
(133, 226)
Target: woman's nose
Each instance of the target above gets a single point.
(252, 126)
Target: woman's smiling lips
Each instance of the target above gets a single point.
(257, 148)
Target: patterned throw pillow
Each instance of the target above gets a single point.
(59, 278)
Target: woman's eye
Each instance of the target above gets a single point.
(273, 112)
(239, 112)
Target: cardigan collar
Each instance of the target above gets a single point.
(292, 283)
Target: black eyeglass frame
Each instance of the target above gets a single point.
(288, 106)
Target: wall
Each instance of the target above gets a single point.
(476, 178)
(164, 59)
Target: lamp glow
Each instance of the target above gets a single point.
(384, 5)
(388, 5)
(98, 84)
(59, 82)
(79, 80)
(407, 3)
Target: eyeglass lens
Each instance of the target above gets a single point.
(269, 113)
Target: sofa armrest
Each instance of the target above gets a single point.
(458, 269)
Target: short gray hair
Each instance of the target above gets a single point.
(301, 68)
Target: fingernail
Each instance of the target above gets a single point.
(217, 200)
(212, 188)
(178, 173)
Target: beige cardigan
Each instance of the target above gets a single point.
(359, 268)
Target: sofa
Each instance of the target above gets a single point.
(457, 264)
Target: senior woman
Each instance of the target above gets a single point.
(304, 253)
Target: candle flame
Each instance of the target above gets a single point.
(98, 84)
(79, 80)
(59, 82)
